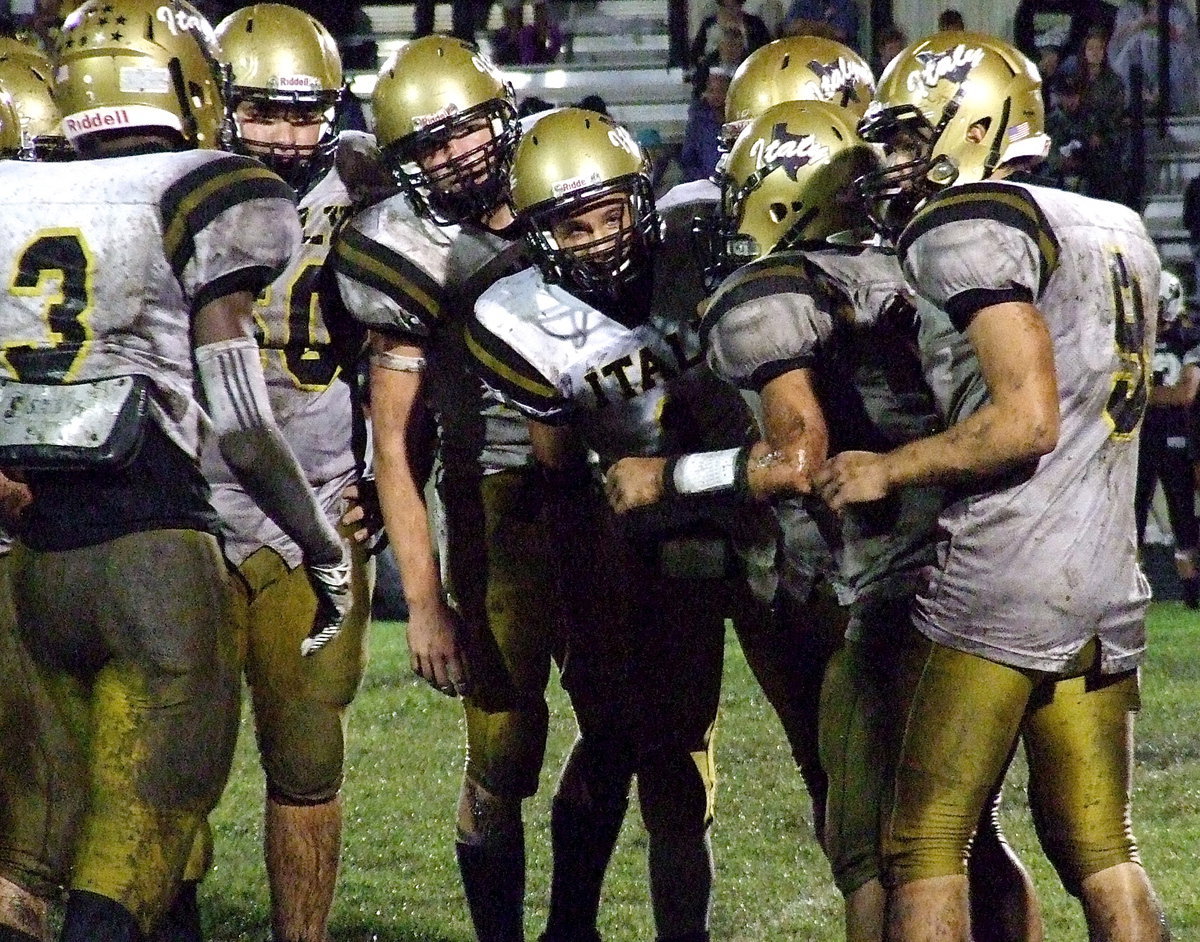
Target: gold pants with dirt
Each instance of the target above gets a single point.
(966, 714)
(133, 647)
(300, 702)
(501, 576)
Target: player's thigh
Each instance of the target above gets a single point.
(963, 718)
(1079, 743)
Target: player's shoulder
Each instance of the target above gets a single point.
(987, 203)
(516, 299)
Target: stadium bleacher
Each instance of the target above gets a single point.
(616, 49)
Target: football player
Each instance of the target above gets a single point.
(285, 84)
(825, 333)
(27, 107)
(27, 113)
(485, 623)
(598, 347)
(1033, 615)
(132, 274)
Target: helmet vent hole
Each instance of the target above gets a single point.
(250, 25)
(785, 62)
(778, 212)
(838, 133)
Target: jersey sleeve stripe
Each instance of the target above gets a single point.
(770, 277)
(1008, 205)
(364, 260)
(509, 372)
(199, 197)
(252, 278)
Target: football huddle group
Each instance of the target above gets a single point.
(871, 394)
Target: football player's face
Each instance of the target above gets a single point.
(464, 141)
(262, 125)
(604, 220)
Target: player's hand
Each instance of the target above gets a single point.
(15, 496)
(363, 516)
(435, 649)
(634, 482)
(782, 470)
(852, 477)
(331, 583)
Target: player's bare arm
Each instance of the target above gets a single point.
(435, 647)
(1018, 425)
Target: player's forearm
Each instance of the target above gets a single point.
(991, 440)
(406, 518)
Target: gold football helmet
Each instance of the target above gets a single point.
(789, 182)
(139, 65)
(573, 161)
(796, 68)
(29, 109)
(952, 108)
(433, 99)
(281, 57)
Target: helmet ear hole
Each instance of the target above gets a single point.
(778, 212)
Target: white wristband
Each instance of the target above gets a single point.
(708, 472)
(397, 362)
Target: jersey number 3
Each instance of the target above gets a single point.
(1127, 401)
(56, 266)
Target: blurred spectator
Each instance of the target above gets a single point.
(889, 41)
(1064, 124)
(1135, 42)
(531, 105)
(700, 151)
(771, 12)
(950, 20)
(347, 22)
(1061, 23)
(467, 17)
(594, 103)
(1049, 63)
(1102, 110)
(539, 42)
(506, 40)
(714, 32)
(833, 19)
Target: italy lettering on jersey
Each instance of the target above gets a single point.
(846, 315)
(104, 261)
(313, 404)
(1040, 560)
(402, 275)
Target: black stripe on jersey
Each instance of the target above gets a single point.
(362, 259)
(776, 368)
(513, 376)
(762, 279)
(963, 307)
(252, 278)
(994, 202)
(199, 197)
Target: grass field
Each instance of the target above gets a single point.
(399, 880)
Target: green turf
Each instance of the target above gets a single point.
(399, 880)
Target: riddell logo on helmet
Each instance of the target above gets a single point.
(954, 64)
(97, 120)
(424, 120)
(295, 83)
(566, 187)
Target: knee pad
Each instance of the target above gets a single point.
(506, 748)
(302, 750)
(677, 791)
(597, 772)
